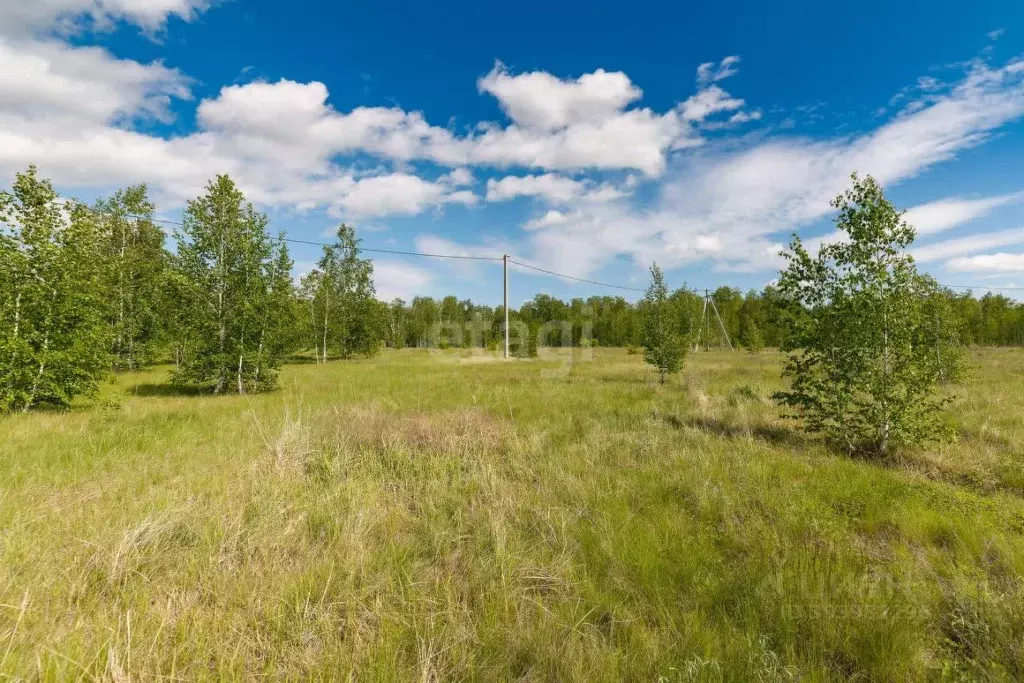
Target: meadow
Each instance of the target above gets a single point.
(435, 516)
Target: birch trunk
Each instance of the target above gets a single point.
(46, 347)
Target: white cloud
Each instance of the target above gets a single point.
(743, 200)
(585, 123)
(395, 279)
(542, 101)
(71, 110)
(19, 17)
(397, 193)
(49, 80)
(549, 186)
(745, 116)
(551, 219)
(461, 177)
(557, 124)
(707, 102)
(66, 105)
(465, 268)
(987, 263)
(709, 72)
(552, 188)
(264, 116)
(967, 245)
(636, 139)
(432, 244)
(934, 217)
(945, 214)
(75, 110)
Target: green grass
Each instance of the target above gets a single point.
(423, 516)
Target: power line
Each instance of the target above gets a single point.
(324, 244)
(576, 279)
(402, 253)
(982, 287)
(498, 258)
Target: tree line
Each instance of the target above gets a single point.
(752, 320)
(87, 290)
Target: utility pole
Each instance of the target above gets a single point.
(707, 321)
(704, 333)
(721, 324)
(504, 263)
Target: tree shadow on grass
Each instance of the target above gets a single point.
(300, 359)
(772, 434)
(166, 390)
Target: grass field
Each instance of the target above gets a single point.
(432, 517)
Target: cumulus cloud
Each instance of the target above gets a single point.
(397, 193)
(988, 263)
(549, 186)
(542, 101)
(49, 80)
(395, 279)
(733, 207)
(75, 110)
(31, 16)
(552, 188)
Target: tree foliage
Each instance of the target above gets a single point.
(229, 266)
(345, 317)
(867, 348)
(749, 333)
(54, 331)
(135, 260)
(83, 291)
(664, 347)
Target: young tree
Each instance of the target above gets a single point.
(136, 262)
(396, 315)
(281, 327)
(866, 350)
(749, 333)
(54, 335)
(664, 347)
(227, 262)
(340, 295)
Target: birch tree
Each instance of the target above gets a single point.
(135, 264)
(281, 327)
(54, 341)
(226, 258)
(664, 347)
(866, 351)
(396, 323)
(749, 333)
(344, 315)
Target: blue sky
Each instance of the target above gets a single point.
(588, 138)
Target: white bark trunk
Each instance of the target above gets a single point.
(42, 363)
(327, 308)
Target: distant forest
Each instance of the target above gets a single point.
(87, 290)
(753, 319)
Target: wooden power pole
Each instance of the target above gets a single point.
(504, 263)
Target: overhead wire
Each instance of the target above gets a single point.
(538, 269)
(575, 279)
